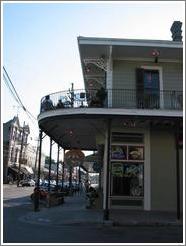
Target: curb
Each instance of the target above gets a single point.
(48, 222)
(109, 223)
(148, 224)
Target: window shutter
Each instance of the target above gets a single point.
(140, 87)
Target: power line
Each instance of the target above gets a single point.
(14, 89)
(7, 84)
(15, 94)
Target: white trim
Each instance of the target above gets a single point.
(129, 42)
(147, 172)
(160, 69)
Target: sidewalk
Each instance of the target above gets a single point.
(74, 211)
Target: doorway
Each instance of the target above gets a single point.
(151, 89)
(148, 88)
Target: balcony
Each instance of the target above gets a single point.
(115, 98)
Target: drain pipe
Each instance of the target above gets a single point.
(107, 164)
(177, 170)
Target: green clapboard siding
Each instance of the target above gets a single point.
(163, 170)
(124, 74)
(124, 77)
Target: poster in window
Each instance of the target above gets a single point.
(117, 169)
(136, 153)
(119, 152)
(134, 173)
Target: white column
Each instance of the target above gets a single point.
(147, 173)
(109, 77)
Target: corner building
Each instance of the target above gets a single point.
(131, 111)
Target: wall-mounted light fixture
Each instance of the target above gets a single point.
(155, 54)
(90, 83)
(87, 69)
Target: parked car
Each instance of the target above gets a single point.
(27, 182)
(45, 187)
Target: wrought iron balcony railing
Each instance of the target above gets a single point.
(115, 98)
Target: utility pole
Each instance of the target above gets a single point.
(20, 155)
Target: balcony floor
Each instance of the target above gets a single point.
(78, 127)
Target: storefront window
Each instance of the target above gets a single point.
(127, 179)
(136, 153)
(119, 152)
(127, 165)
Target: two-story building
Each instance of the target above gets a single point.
(131, 111)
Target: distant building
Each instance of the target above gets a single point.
(32, 156)
(16, 149)
(15, 139)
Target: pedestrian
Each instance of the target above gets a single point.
(60, 104)
(47, 104)
(87, 184)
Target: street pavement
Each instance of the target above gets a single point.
(73, 223)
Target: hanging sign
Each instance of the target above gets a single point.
(74, 157)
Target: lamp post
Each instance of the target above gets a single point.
(35, 166)
(57, 179)
(50, 165)
(36, 190)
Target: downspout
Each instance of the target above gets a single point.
(107, 163)
(177, 170)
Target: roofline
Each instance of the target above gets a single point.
(129, 42)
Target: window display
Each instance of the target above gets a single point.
(136, 153)
(127, 179)
(117, 169)
(127, 170)
(119, 152)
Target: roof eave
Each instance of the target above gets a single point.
(129, 42)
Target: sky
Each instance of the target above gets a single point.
(40, 49)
